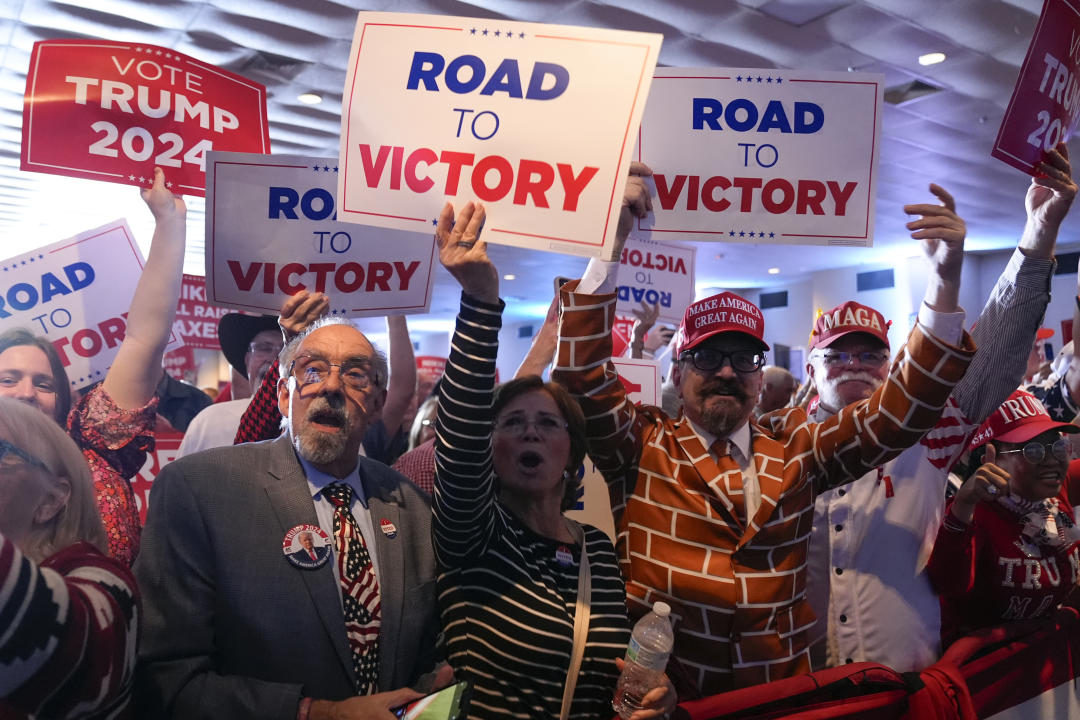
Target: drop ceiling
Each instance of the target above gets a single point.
(296, 47)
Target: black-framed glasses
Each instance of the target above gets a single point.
(356, 373)
(1035, 452)
(515, 425)
(709, 359)
(265, 348)
(12, 456)
(869, 358)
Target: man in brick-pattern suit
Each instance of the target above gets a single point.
(712, 510)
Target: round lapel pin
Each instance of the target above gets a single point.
(388, 528)
(563, 555)
(306, 546)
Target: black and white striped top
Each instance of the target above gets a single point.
(507, 605)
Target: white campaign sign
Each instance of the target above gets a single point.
(535, 121)
(76, 293)
(641, 378)
(271, 232)
(763, 156)
(656, 272)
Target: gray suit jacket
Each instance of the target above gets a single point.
(231, 628)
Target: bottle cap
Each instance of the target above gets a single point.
(661, 608)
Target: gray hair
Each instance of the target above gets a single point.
(38, 434)
(288, 353)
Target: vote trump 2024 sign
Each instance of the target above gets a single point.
(762, 156)
(535, 121)
(112, 111)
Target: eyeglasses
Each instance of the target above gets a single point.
(515, 425)
(1035, 452)
(356, 373)
(265, 348)
(710, 359)
(11, 457)
(869, 358)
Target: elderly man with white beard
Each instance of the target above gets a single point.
(866, 574)
(240, 623)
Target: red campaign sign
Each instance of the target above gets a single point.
(620, 335)
(165, 447)
(1043, 109)
(112, 111)
(180, 363)
(197, 320)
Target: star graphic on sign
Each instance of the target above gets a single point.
(522, 36)
(496, 33)
(509, 33)
(435, 221)
(41, 257)
(316, 168)
(768, 80)
(131, 177)
(732, 233)
(32, 259)
(23, 262)
(772, 234)
(473, 31)
(751, 233)
(158, 52)
(168, 184)
(779, 80)
(742, 234)
(485, 32)
(326, 168)
(759, 78)
(738, 78)
(761, 234)
(142, 179)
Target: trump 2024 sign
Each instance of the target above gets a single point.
(112, 111)
(535, 121)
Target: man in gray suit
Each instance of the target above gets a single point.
(233, 627)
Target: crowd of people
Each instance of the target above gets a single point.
(286, 570)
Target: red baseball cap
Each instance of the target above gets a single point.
(1020, 418)
(849, 317)
(726, 312)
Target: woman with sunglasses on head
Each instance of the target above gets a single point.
(533, 604)
(70, 614)
(113, 423)
(1007, 547)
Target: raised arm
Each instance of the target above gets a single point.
(1016, 306)
(402, 385)
(133, 377)
(868, 433)
(464, 503)
(542, 350)
(583, 361)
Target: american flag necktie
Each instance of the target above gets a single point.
(359, 590)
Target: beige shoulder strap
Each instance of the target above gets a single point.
(581, 619)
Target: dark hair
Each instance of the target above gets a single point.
(571, 412)
(17, 337)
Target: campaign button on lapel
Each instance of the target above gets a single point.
(388, 528)
(306, 546)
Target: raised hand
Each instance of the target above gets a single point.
(464, 254)
(164, 205)
(1050, 194)
(942, 232)
(988, 483)
(636, 203)
(300, 310)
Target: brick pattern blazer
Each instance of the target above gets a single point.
(737, 590)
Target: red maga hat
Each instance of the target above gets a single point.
(1020, 418)
(849, 317)
(726, 312)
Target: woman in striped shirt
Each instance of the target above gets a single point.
(506, 469)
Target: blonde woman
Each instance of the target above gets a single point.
(70, 651)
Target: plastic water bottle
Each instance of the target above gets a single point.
(646, 658)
